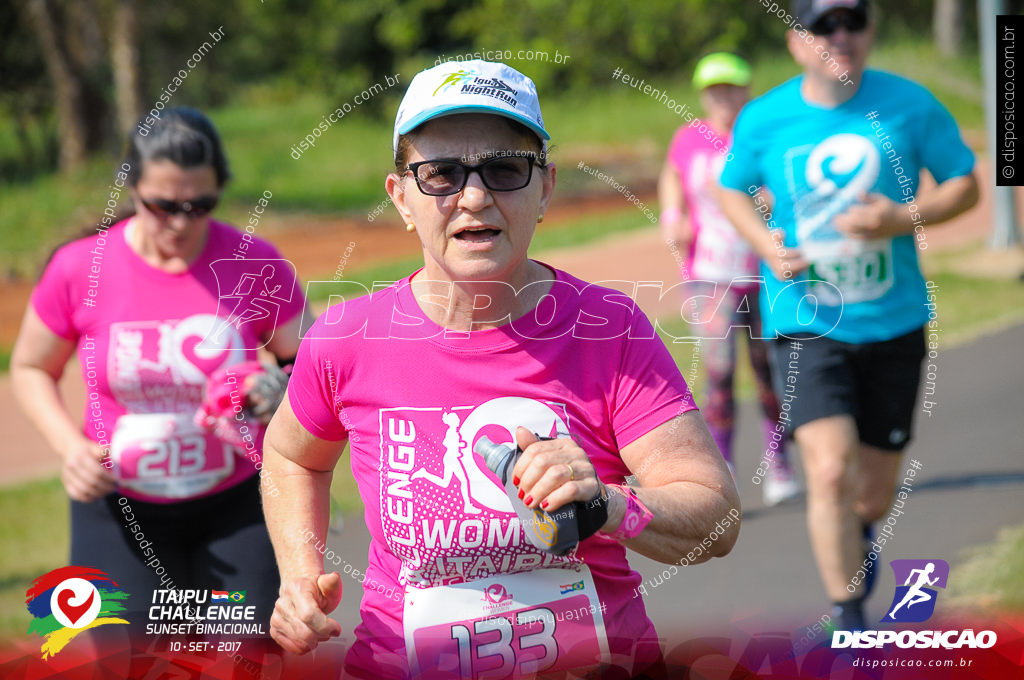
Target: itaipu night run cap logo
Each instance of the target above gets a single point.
(70, 600)
(474, 86)
(914, 601)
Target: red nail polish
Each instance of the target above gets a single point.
(515, 480)
(544, 504)
(520, 494)
(529, 499)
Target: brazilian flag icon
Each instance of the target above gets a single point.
(238, 596)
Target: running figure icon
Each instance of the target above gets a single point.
(454, 463)
(249, 292)
(916, 594)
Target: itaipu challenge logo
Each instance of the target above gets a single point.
(69, 600)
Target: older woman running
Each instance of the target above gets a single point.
(484, 342)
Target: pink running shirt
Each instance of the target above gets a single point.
(140, 342)
(717, 253)
(452, 579)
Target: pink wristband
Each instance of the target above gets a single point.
(637, 515)
(670, 215)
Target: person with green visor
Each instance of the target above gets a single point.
(720, 267)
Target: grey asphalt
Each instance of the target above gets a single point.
(971, 484)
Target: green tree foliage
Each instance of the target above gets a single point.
(281, 48)
(649, 37)
(25, 102)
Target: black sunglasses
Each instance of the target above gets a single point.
(198, 207)
(444, 178)
(830, 23)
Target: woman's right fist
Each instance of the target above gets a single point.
(84, 475)
(300, 620)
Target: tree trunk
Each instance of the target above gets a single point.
(948, 26)
(124, 56)
(72, 121)
(82, 35)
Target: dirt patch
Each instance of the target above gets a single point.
(316, 244)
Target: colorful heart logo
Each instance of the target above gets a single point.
(73, 612)
(497, 593)
(207, 365)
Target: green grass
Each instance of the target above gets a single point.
(588, 229)
(34, 534)
(992, 575)
(956, 82)
(967, 303)
(966, 306)
(345, 171)
(344, 492)
(35, 540)
(36, 216)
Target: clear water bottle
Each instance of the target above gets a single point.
(557, 532)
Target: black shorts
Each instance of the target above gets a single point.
(875, 382)
(218, 542)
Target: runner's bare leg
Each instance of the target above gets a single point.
(829, 448)
(878, 473)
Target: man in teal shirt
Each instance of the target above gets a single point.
(834, 156)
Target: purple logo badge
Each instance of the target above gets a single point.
(914, 600)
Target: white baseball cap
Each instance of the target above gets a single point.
(470, 87)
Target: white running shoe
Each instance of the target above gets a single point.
(780, 485)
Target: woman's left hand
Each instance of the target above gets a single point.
(551, 473)
(264, 391)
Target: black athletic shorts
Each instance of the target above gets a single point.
(875, 382)
(218, 542)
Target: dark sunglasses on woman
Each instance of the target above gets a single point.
(444, 178)
(197, 207)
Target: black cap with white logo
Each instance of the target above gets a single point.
(807, 12)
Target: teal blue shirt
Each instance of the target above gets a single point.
(815, 163)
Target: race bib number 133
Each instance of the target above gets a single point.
(511, 625)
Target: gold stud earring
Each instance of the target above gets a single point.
(410, 227)
(540, 218)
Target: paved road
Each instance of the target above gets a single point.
(971, 483)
